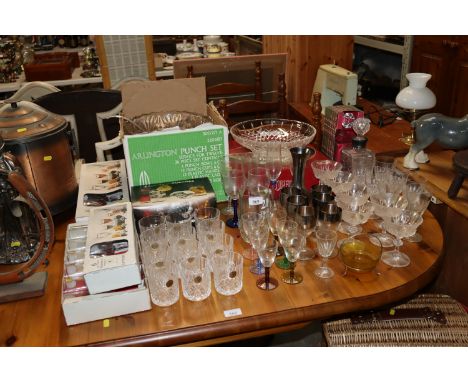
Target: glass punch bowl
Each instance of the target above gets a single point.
(260, 134)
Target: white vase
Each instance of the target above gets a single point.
(416, 96)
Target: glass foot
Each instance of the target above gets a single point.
(232, 223)
(282, 262)
(349, 229)
(324, 272)
(273, 284)
(287, 278)
(416, 238)
(385, 239)
(395, 259)
(307, 254)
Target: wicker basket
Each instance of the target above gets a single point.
(405, 332)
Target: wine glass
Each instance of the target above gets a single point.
(281, 261)
(403, 225)
(353, 217)
(273, 166)
(233, 183)
(255, 227)
(326, 241)
(293, 240)
(418, 200)
(387, 206)
(325, 169)
(267, 257)
(307, 220)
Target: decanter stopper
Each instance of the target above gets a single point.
(361, 126)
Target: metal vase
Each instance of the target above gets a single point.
(300, 155)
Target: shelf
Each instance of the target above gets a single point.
(378, 44)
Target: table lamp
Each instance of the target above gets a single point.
(415, 97)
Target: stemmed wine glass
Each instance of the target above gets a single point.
(326, 241)
(234, 183)
(292, 239)
(273, 166)
(267, 257)
(403, 225)
(257, 231)
(418, 200)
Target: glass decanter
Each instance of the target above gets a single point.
(358, 159)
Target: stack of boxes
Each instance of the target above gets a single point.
(337, 131)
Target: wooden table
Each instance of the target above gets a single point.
(40, 322)
(452, 215)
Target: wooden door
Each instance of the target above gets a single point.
(305, 55)
(459, 96)
(446, 58)
(432, 55)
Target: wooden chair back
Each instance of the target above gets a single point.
(234, 88)
(247, 109)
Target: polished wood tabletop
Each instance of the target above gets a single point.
(40, 322)
(438, 175)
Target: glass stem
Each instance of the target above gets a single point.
(235, 218)
(267, 278)
(291, 270)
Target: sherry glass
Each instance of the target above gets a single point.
(418, 200)
(326, 241)
(325, 169)
(403, 225)
(293, 240)
(267, 257)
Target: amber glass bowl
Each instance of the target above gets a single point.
(361, 253)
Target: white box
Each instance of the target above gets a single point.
(105, 305)
(103, 183)
(111, 257)
(79, 306)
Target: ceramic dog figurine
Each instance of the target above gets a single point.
(450, 133)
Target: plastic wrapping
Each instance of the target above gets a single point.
(147, 123)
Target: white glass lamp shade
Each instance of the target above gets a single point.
(416, 96)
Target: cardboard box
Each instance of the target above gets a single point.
(111, 258)
(101, 183)
(171, 196)
(79, 306)
(187, 94)
(338, 118)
